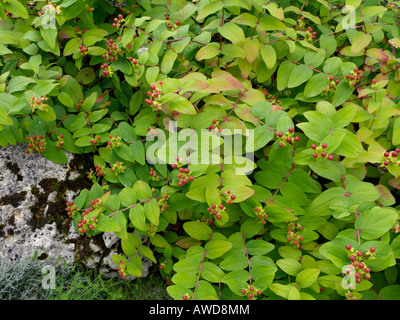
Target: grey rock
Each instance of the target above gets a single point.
(31, 223)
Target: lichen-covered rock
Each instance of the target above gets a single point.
(33, 222)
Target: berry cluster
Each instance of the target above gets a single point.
(332, 85)
(99, 172)
(354, 76)
(152, 132)
(390, 157)
(358, 267)
(93, 204)
(320, 152)
(300, 23)
(36, 143)
(310, 34)
(80, 32)
(153, 175)
(228, 196)
(71, 209)
(151, 228)
(79, 105)
(396, 227)
(60, 141)
(163, 202)
(292, 236)
(287, 138)
(261, 215)
(251, 292)
(85, 225)
(154, 97)
(214, 127)
(88, 8)
(50, 9)
(184, 174)
(105, 105)
(118, 22)
(84, 50)
(113, 51)
(107, 70)
(173, 27)
(186, 297)
(272, 99)
(115, 142)
(122, 270)
(117, 168)
(94, 142)
(37, 104)
(216, 211)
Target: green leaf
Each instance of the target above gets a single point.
(289, 266)
(252, 48)
(180, 104)
(360, 41)
(329, 169)
(207, 52)
(50, 36)
(143, 190)
(127, 196)
(268, 54)
(137, 217)
(4, 118)
(16, 8)
(268, 23)
(307, 277)
(54, 154)
(107, 224)
(259, 247)
(300, 74)
(315, 85)
(396, 132)
(360, 191)
(130, 244)
(197, 230)
(168, 61)
(217, 248)
(152, 211)
(232, 32)
(342, 93)
(211, 272)
(375, 222)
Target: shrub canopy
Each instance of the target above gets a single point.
(250, 148)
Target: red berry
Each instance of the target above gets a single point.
(313, 146)
(323, 154)
(290, 130)
(315, 155)
(372, 249)
(280, 134)
(324, 145)
(244, 291)
(348, 247)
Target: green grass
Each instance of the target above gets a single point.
(22, 280)
(86, 285)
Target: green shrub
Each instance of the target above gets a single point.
(254, 143)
